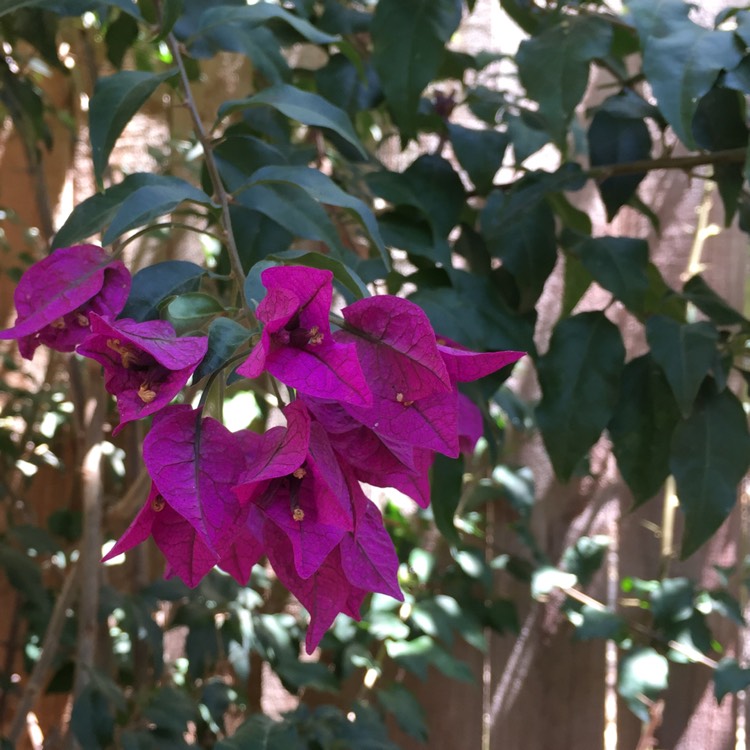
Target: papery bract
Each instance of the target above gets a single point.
(368, 556)
(187, 556)
(195, 463)
(430, 422)
(296, 344)
(396, 347)
(324, 595)
(145, 364)
(470, 424)
(464, 365)
(55, 297)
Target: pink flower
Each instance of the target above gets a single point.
(56, 297)
(145, 364)
(296, 345)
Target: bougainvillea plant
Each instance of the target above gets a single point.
(369, 401)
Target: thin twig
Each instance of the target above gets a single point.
(41, 672)
(213, 170)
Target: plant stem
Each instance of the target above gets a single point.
(732, 155)
(41, 672)
(213, 170)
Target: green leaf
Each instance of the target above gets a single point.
(150, 202)
(681, 60)
(188, 312)
(92, 720)
(409, 40)
(480, 153)
(249, 16)
(527, 134)
(673, 601)
(697, 291)
(321, 188)
(719, 124)
(729, 677)
(93, 214)
(405, 709)
(224, 337)
(521, 232)
(592, 622)
(577, 282)
(554, 68)
(641, 427)
(341, 83)
(710, 455)
(430, 184)
(446, 483)
(580, 377)
(616, 140)
(416, 655)
(619, 265)
(293, 208)
(643, 674)
(584, 558)
(71, 7)
(115, 100)
(299, 105)
(684, 352)
(153, 284)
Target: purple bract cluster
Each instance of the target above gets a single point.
(372, 402)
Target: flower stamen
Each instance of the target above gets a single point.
(157, 504)
(127, 357)
(298, 514)
(146, 393)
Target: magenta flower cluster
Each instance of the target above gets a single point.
(372, 403)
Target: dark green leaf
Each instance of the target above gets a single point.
(120, 36)
(446, 483)
(527, 134)
(719, 124)
(681, 60)
(409, 40)
(579, 376)
(643, 674)
(429, 184)
(293, 208)
(170, 710)
(521, 232)
(480, 153)
(685, 352)
(214, 19)
(710, 455)
(323, 189)
(577, 281)
(69, 7)
(554, 68)
(224, 337)
(614, 140)
(405, 709)
(585, 557)
(619, 265)
(93, 214)
(190, 311)
(697, 291)
(729, 677)
(592, 622)
(414, 235)
(153, 284)
(299, 105)
(416, 655)
(673, 601)
(115, 100)
(343, 85)
(92, 720)
(149, 202)
(641, 427)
